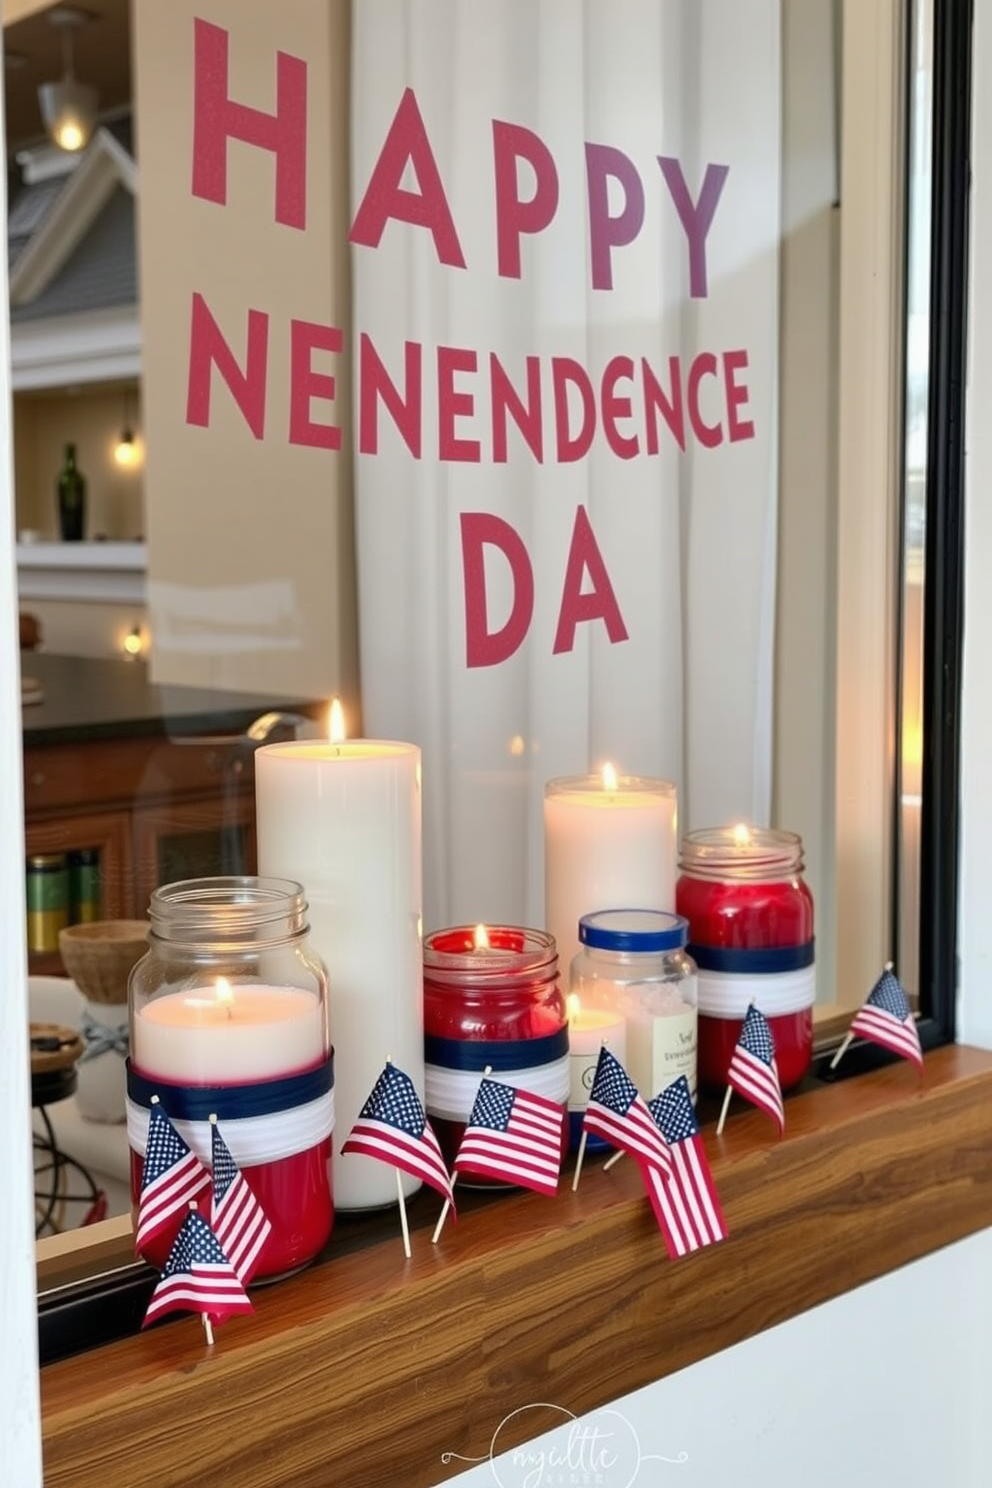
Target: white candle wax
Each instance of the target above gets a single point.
(606, 849)
(588, 1030)
(252, 1033)
(344, 820)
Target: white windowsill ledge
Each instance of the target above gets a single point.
(97, 572)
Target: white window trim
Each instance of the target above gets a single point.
(20, 1414)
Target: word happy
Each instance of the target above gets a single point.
(457, 404)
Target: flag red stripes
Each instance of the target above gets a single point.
(757, 1082)
(882, 1028)
(419, 1156)
(213, 1289)
(514, 1136)
(241, 1227)
(685, 1203)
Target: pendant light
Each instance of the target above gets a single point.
(68, 107)
(126, 451)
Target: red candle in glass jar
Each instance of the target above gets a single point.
(750, 914)
(492, 1002)
(228, 1018)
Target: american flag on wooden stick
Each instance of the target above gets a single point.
(198, 1277)
(685, 1202)
(239, 1221)
(752, 1071)
(514, 1136)
(886, 1019)
(618, 1113)
(393, 1127)
(171, 1177)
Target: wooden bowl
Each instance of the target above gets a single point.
(98, 956)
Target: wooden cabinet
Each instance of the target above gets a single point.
(155, 810)
(158, 780)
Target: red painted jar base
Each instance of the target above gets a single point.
(294, 1192)
(793, 1035)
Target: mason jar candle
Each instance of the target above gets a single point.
(750, 914)
(492, 1001)
(633, 964)
(228, 1018)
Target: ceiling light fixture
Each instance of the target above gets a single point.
(68, 107)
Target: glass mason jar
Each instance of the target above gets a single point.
(634, 986)
(492, 1001)
(228, 1018)
(750, 914)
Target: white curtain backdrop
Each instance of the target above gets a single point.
(687, 538)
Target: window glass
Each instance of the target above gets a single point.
(505, 394)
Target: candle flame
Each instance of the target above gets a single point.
(481, 938)
(574, 1004)
(225, 995)
(609, 777)
(742, 835)
(336, 731)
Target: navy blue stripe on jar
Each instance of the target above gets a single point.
(765, 961)
(495, 1054)
(232, 1102)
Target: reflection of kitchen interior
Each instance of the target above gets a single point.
(130, 778)
(75, 337)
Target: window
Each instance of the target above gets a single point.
(253, 460)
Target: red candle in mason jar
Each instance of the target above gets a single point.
(750, 916)
(492, 1001)
(228, 1018)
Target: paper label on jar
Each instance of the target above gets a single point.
(582, 1072)
(660, 1049)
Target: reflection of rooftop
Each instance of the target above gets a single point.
(73, 279)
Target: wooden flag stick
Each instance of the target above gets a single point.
(208, 1329)
(578, 1162)
(726, 1108)
(841, 1051)
(403, 1218)
(454, 1177)
(443, 1215)
(614, 1159)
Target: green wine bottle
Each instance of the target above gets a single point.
(70, 489)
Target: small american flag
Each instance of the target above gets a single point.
(618, 1113)
(514, 1136)
(752, 1071)
(171, 1177)
(685, 1203)
(198, 1277)
(886, 1019)
(393, 1127)
(239, 1221)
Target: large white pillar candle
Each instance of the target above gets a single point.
(609, 843)
(344, 819)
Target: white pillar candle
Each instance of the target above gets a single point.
(588, 1030)
(230, 1035)
(609, 843)
(344, 819)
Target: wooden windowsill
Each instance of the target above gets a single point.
(364, 1370)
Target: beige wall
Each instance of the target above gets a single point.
(92, 419)
(251, 548)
